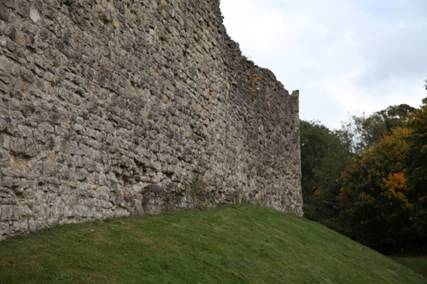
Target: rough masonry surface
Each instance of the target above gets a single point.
(118, 108)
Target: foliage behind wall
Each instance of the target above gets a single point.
(369, 180)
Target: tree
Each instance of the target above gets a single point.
(416, 167)
(375, 207)
(324, 154)
(372, 174)
(369, 130)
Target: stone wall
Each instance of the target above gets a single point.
(118, 108)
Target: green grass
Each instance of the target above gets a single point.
(417, 263)
(242, 244)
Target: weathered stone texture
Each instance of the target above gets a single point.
(114, 108)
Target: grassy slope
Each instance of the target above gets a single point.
(241, 244)
(417, 263)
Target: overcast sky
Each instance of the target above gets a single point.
(345, 56)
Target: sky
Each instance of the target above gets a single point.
(347, 57)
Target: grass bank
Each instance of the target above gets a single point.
(417, 263)
(242, 244)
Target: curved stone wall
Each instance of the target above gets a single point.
(115, 108)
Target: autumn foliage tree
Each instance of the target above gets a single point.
(375, 208)
(368, 130)
(369, 180)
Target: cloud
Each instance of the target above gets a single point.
(346, 56)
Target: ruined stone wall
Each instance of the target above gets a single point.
(116, 108)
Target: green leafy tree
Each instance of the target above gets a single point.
(416, 167)
(369, 130)
(324, 154)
